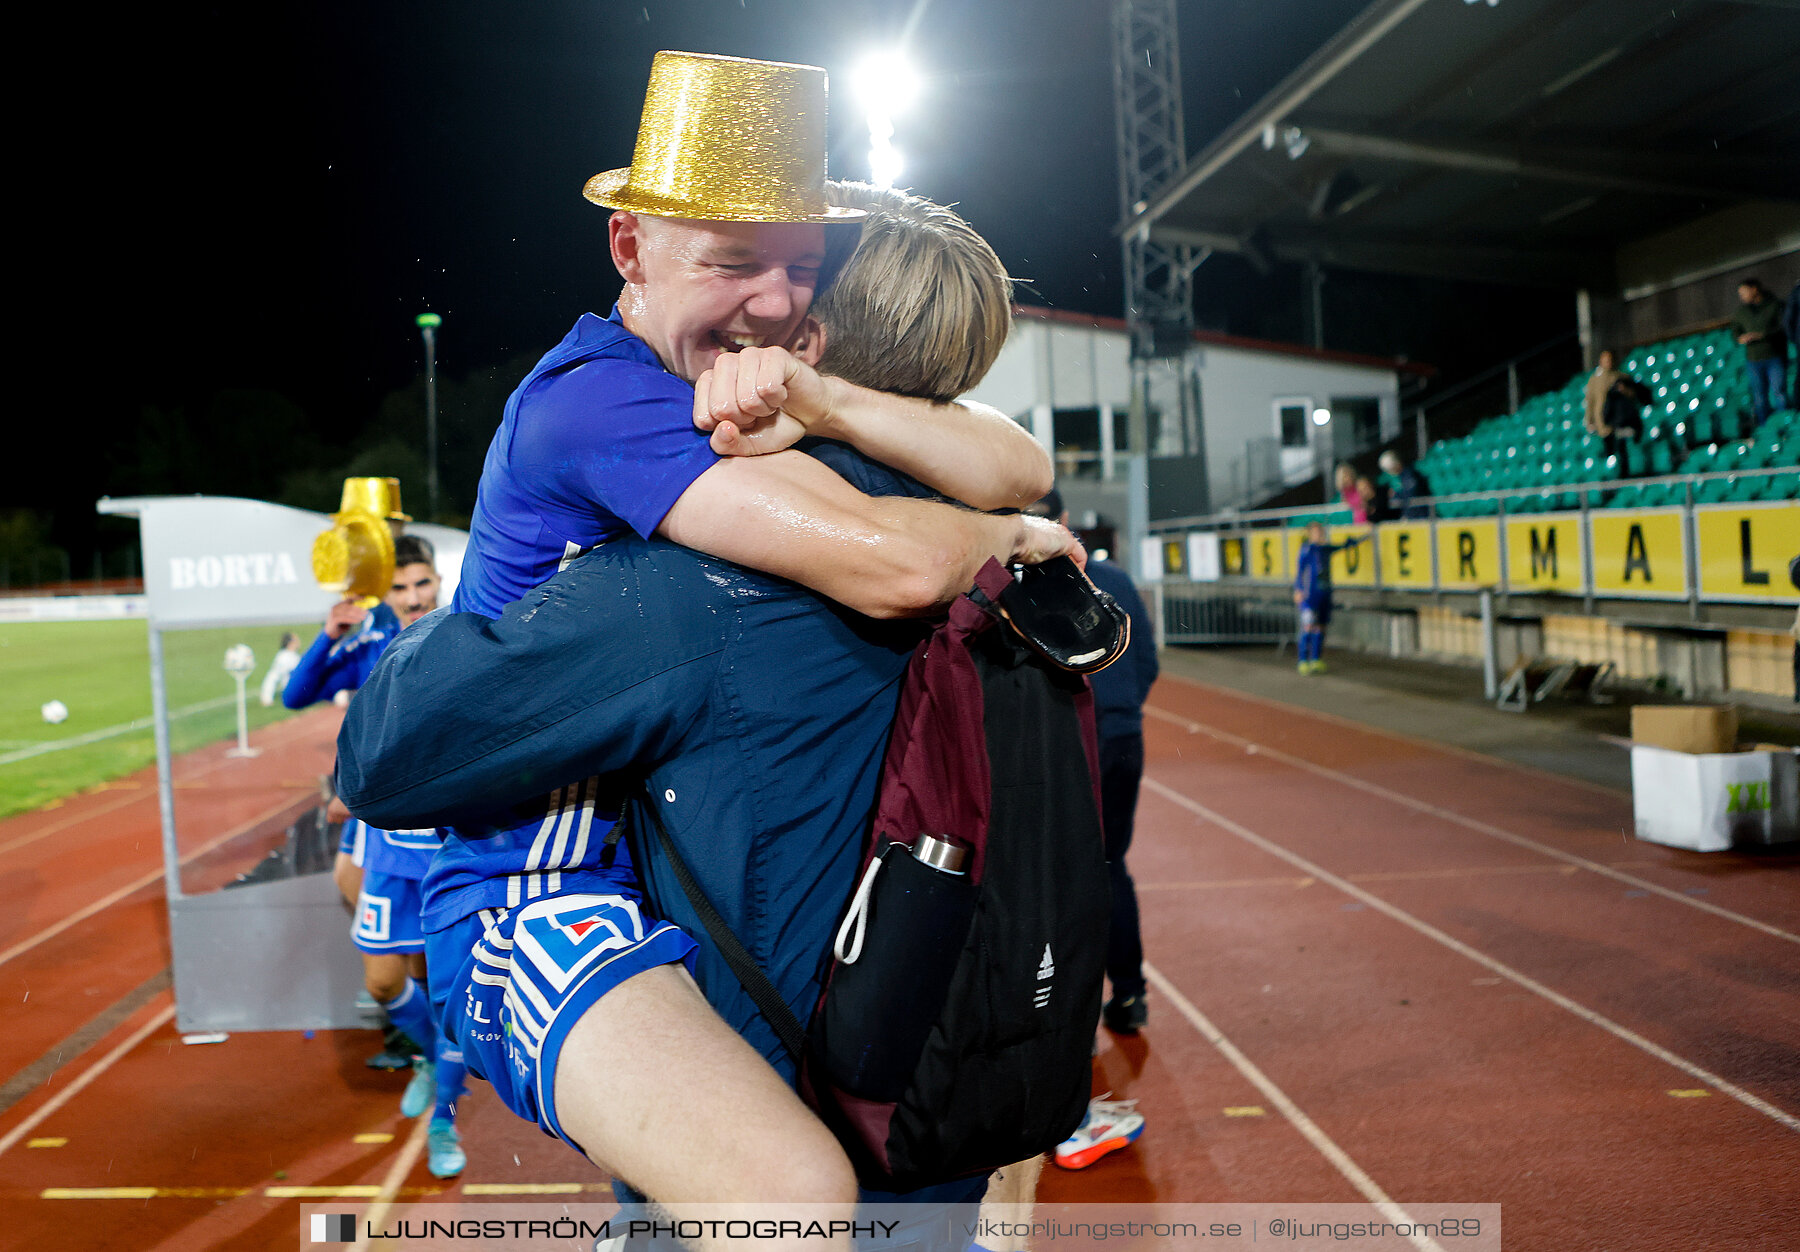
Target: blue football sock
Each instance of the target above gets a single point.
(450, 1088)
(411, 1012)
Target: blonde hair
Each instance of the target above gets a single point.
(923, 305)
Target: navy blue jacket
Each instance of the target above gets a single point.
(759, 711)
(1122, 687)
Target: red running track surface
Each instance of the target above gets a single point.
(1381, 968)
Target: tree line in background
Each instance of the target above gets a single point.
(262, 445)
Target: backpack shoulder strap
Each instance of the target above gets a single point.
(749, 973)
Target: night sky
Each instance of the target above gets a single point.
(266, 196)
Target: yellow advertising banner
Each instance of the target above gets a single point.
(1543, 553)
(1269, 550)
(1174, 557)
(1745, 550)
(1354, 564)
(1638, 552)
(1406, 555)
(1468, 554)
(1234, 556)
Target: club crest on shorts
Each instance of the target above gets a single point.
(562, 938)
(374, 916)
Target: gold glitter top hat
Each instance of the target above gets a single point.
(723, 139)
(380, 496)
(356, 556)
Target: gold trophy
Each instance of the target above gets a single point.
(355, 558)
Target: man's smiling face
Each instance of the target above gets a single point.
(414, 592)
(696, 289)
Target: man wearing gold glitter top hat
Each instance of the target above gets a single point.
(720, 236)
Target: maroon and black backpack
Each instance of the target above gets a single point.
(955, 1028)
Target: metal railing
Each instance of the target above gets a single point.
(1234, 519)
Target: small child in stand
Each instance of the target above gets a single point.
(1312, 593)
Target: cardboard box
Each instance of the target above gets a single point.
(1709, 802)
(1685, 728)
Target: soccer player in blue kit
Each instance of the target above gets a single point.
(1312, 593)
(383, 869)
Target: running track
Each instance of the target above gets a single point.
(1382, 970)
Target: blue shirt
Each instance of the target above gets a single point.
(1312, 570)
(759, 712)
(331, 666)
(597, 442)
(1122, 687)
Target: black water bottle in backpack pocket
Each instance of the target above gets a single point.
(897, 950)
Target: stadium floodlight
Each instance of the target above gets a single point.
(886, 86)
(1321, 417)
(885, 83)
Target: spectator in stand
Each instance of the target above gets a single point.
(1354, 492)
(276, 680)
(1400, 485)
(1758, 326)
(1614, 404)
(1790, 326)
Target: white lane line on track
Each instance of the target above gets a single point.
(136, 884)
(1470, 823)
(1368, 728)
(1309, 1129)
(87, 1076)
(266, 738)
(107, 732)
(1480, 958)
(390, 1185)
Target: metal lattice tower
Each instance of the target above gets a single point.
(1159, 278)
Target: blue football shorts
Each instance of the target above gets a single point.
(524, 976)
(1315, 614)
(387, 916)
(350, 842)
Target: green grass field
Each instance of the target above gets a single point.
(101, 670)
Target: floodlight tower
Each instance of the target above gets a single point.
(1159, 277)
(1152, 147)
(428, 324)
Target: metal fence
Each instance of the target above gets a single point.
(1190, 612)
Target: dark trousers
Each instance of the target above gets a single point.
(1121, 769)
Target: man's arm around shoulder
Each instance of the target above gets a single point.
(788, 515)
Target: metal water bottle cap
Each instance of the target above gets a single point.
(940, 852)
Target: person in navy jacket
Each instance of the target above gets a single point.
(758, 711)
